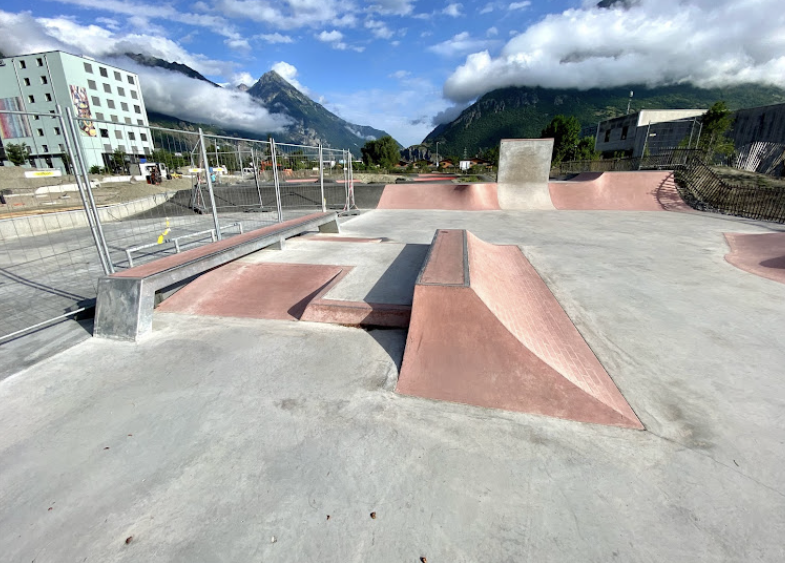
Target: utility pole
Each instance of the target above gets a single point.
(437, 154)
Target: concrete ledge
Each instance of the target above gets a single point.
(124, 308)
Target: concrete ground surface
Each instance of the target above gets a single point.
(221, 439)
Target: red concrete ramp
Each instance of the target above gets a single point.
(759, 254)
(486, 330)
(618, 191)
(448, 197)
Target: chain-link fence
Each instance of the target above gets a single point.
(103, 195)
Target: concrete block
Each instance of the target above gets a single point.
(524, 166)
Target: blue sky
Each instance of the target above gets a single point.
(404, 65)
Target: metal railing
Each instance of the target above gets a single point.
(143, 192)
(702, 189)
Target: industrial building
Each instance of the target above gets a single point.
(647, 131)
(107, 100)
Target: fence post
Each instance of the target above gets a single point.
(108, 266)
(255, 171)
(209, 183)
(321, 178)
(276, 180)
(76, 165)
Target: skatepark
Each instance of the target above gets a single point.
(526, 370)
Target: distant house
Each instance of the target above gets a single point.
(647, 131)
(446, 163)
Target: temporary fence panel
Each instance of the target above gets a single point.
(49, 256)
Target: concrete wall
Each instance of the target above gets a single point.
(43, 223)
(524, 166)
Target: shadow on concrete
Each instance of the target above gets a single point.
(28, 349)
(396, 285)
(298, 308)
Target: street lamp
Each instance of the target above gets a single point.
(437, 154)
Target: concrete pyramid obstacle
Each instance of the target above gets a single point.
(486, 330)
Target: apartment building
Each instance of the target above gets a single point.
(107, 100)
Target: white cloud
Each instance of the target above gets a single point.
(289, 14)
(238, 44)
(242, 78)
(109, 23)
(194, 100)
(22, 33)
(459, 44)
(492, 32)
(453, 10)
(379, 29)
(488, 8)
(163, 91)
(289, 73)
(519, 5)
(705, 42)
(400, 74)
(391, 7)
(274, 38)
(330, 36)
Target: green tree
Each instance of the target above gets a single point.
(383, 151)
(714, 132)
(564, 131)
(17, 153)
(584, 150)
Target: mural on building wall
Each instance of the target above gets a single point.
(13, 126)
(82, 105)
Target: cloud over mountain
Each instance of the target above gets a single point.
(704, 42)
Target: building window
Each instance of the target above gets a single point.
(44, 80)
(57, 130)
(131, 136)
(107, 148)
(96, 101)
(102, 72)
(36, 117)
(107, 89)
(117, 76)
(104, 133)
(48, 97)
(121, 91)
(624, 131)
(45, 148)
(139, 122)
(39, 61)
(137, 109)
(118, 134)
(99, 116)
(22, 64)
(135, 149)
(124, 106)
(26, 81)
(88, 68)
(133, 94)
(61, 146)
(110, 104)
(40, 132)
(607, 135)
(31, 99)
(114, 118)
(143, 136)
(128, 120)
(130, 79)
(91, 84)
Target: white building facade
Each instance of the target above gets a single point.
(107, 100)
